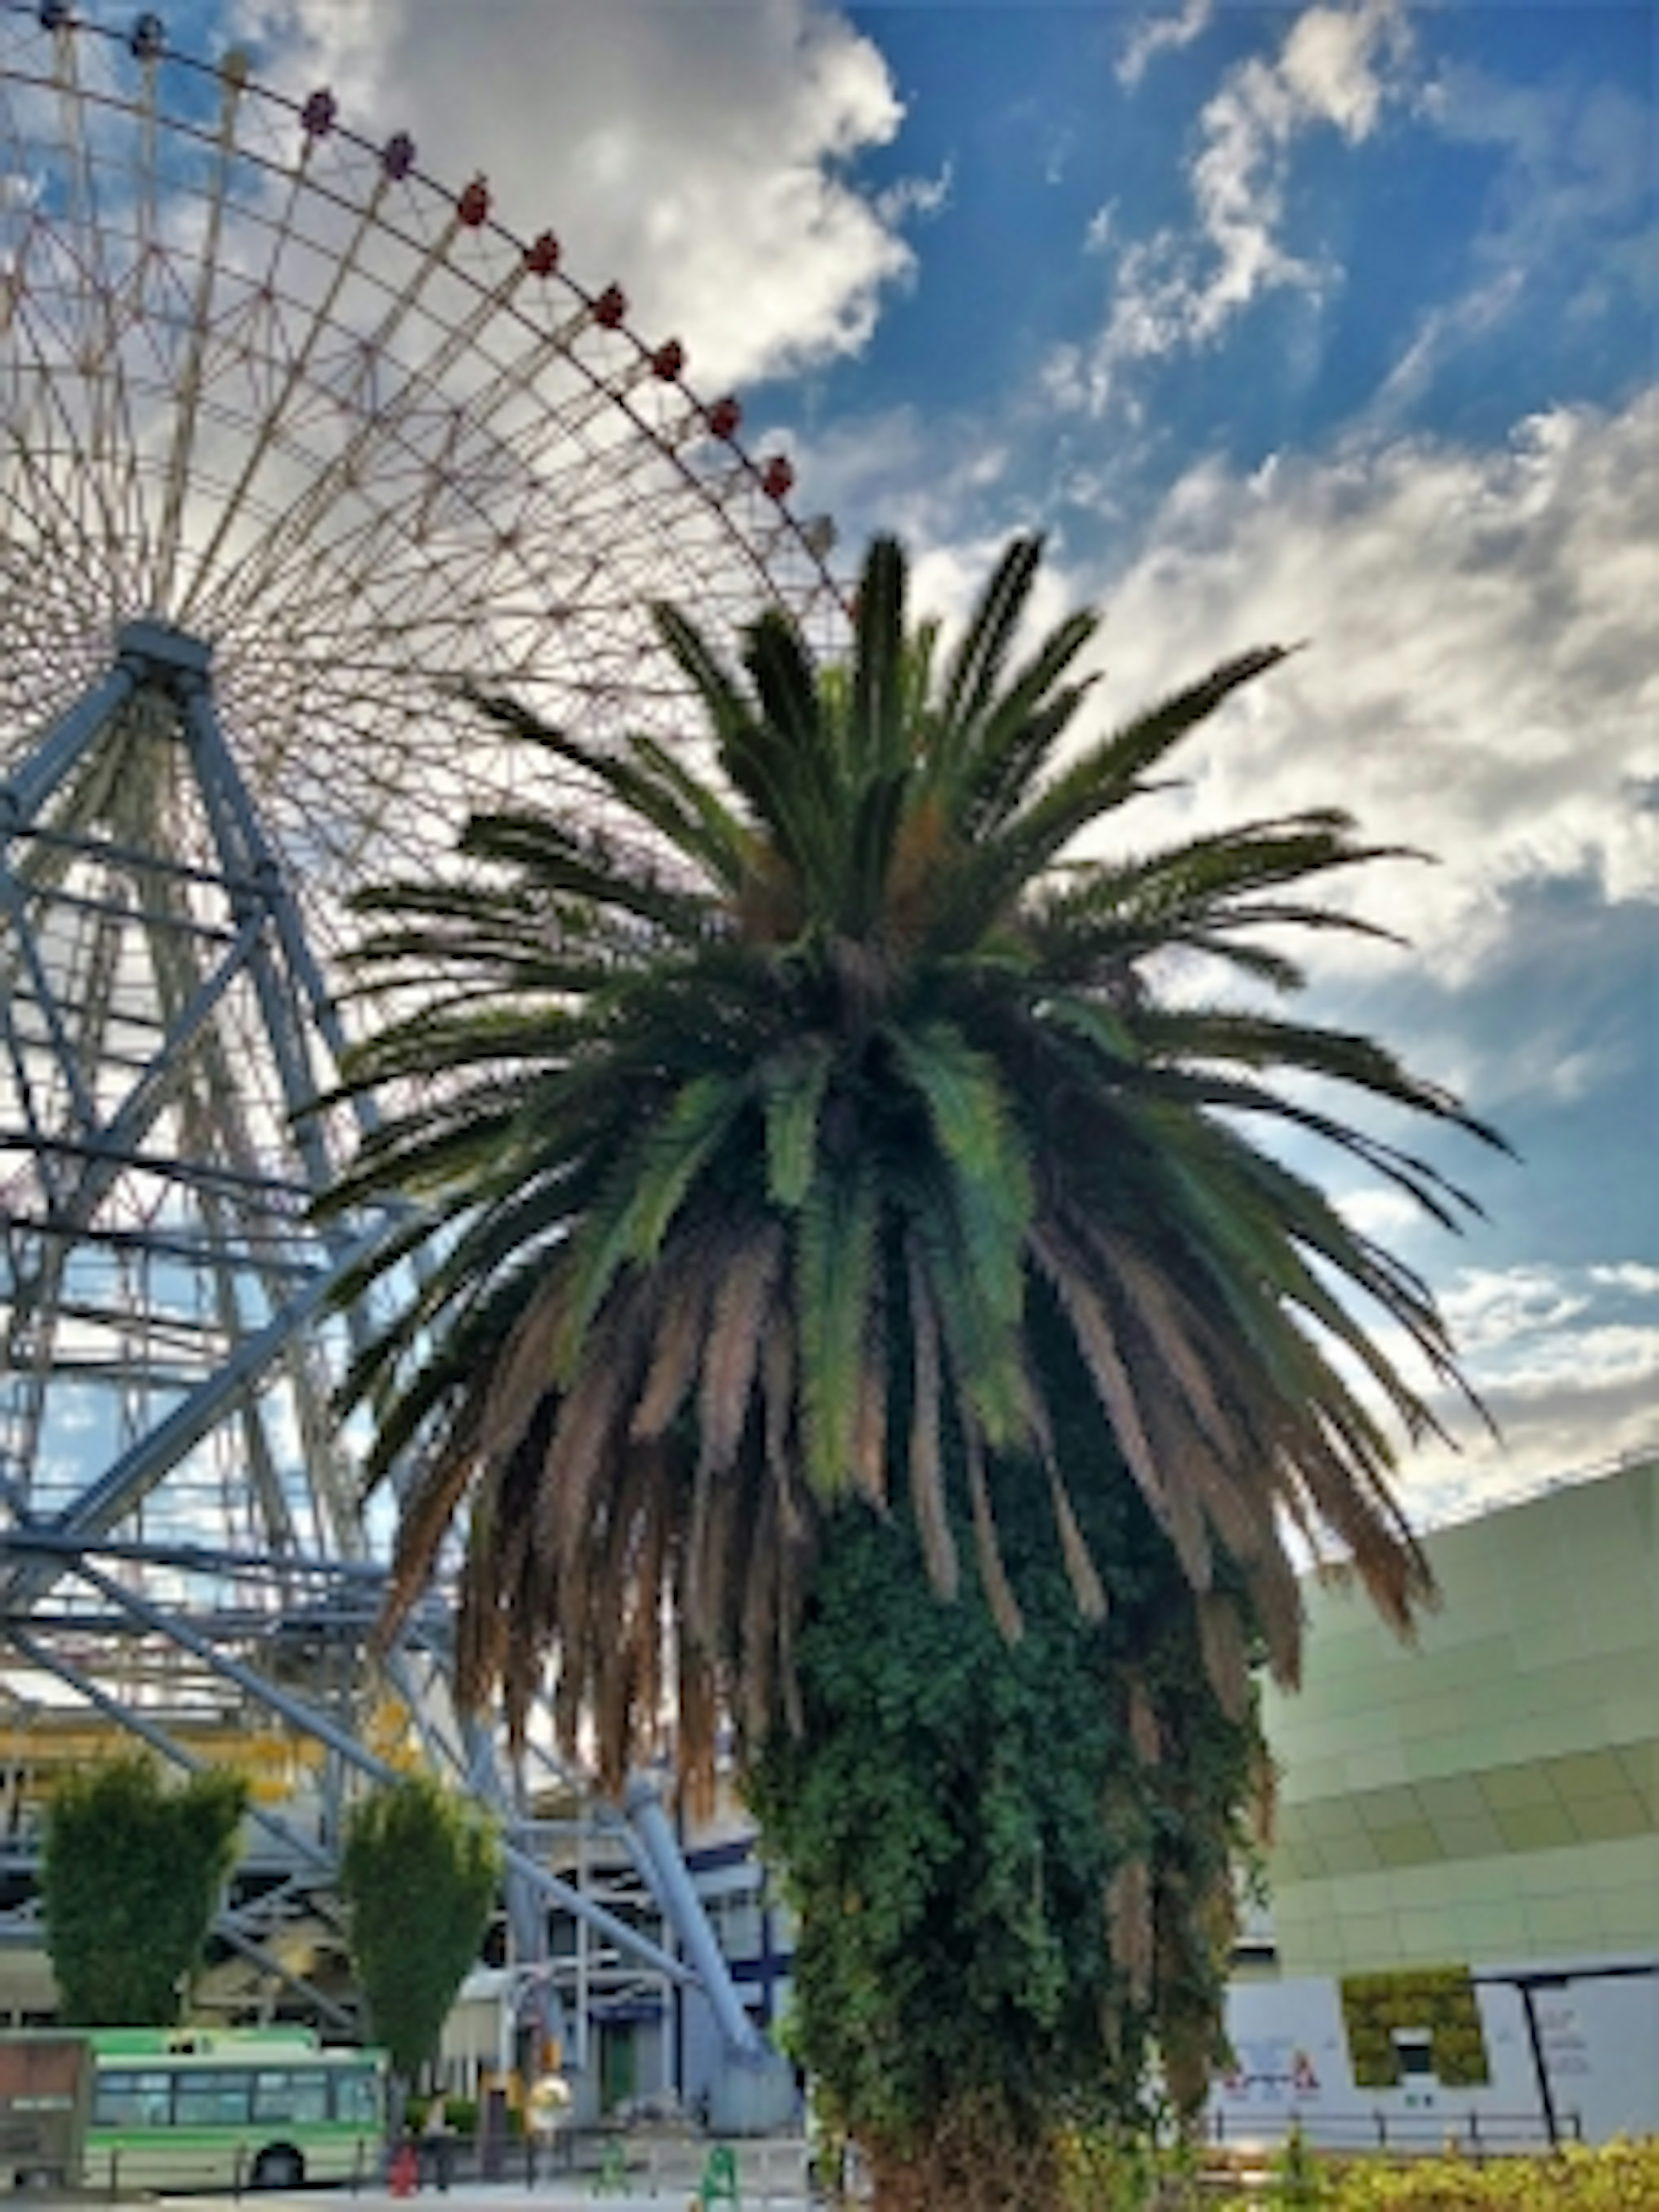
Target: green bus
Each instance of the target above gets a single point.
(231, 2108)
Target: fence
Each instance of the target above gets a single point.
(1473, 2135)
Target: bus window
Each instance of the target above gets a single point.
(290, 2094)
(211, 2097)
(356, 2097)
(131, 2100)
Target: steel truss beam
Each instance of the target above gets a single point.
(164, 1035)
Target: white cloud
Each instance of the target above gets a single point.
(915, 475)
(1570, 1378)
(1337, 68)
(694, 155)
(1544, 1441)
(1098, 235)
(1481, 683)
(1332, 63)
(1160, 35)
(1380, 1211)
(1488, 1309)
(915, 195)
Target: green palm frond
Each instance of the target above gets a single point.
(876, 720)
(647, 1194)
(793, 1082)
(645, 782)
(975, 669)
(1109, 773)
(835, 1263)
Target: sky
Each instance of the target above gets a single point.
(1334, 323)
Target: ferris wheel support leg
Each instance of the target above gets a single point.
(423, 1685)
(526, 1909)
(667, 1872)
(221, 774)
(258, 1954)
(27, 790)
(247, 856)
(140, 1468)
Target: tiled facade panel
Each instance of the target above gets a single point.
(1493, 1790)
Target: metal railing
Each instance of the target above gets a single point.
(1470, 2134)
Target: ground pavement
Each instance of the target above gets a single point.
(661, 2177)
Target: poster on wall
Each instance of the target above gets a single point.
(1271, 2071)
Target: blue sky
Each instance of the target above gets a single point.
(1335, 322)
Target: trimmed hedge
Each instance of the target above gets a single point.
(1104, 2176)
(1617, 2178)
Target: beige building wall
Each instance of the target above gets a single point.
(1492, 1795)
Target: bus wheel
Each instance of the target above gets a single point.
(279, 2168)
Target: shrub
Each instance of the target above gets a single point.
(1106, 2170)
(1616, 2177)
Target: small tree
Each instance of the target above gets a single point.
(132, 1872)
(419, 1874)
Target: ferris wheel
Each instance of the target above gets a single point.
(267, 382)
(295, 440)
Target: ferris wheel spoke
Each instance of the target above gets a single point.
(188, 387)
(376, 424)
(42, 389)
(292, 360)
(93, 324)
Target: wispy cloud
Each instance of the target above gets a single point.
(1566, 1361)
(1337, 69)
(923, 197)
(1162, 34)
(1566, 230)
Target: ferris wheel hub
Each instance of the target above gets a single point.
(161, 645)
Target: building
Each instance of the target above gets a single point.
(1493, 1792)
(1485, 1800)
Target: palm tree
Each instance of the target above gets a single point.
(829, 1130)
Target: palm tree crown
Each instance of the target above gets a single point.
(776, 1151)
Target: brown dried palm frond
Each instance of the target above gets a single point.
(1144, 1733)
(1081, 1573)
(1226, 1652)
(740, 1307)
(993, 1572)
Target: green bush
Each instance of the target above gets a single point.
(1619, 2178)
(463, 2116)
(1105, 2171)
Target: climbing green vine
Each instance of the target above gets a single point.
(1048, 1832)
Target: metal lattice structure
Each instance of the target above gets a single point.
(293, 439)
